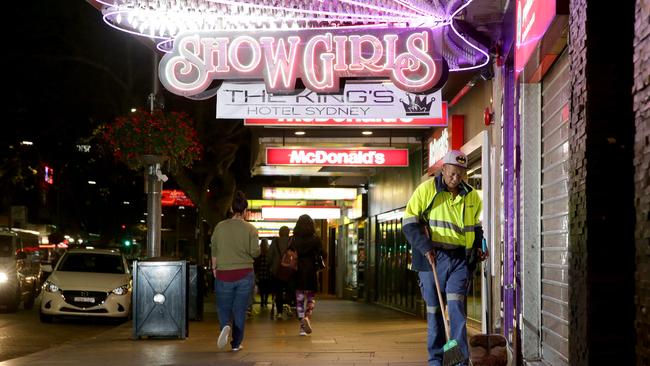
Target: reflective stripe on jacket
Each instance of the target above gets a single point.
(452, 221)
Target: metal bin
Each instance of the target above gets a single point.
(160, 299)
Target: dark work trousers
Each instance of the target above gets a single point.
(453, 275)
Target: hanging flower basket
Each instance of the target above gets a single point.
(137, 135)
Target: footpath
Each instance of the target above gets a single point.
(344, 333)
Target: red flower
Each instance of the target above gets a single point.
(139, 133)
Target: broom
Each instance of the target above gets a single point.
(452, 353)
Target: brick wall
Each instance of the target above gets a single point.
(641, 93)
(601, 207)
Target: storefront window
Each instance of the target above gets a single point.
(396, 283)
(474, 293)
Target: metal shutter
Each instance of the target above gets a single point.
(554, 213)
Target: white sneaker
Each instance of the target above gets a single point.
(235, 349)
(302, 332)
(223, 337)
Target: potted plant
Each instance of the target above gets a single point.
(141, 138)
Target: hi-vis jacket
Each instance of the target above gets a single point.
(454, 223)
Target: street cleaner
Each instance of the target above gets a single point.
(442, 224)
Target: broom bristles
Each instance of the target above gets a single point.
(452, 354)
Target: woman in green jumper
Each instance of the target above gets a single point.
(234, 248)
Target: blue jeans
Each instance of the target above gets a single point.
(453, 276)
(232, 303)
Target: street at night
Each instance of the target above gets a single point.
(326, 182)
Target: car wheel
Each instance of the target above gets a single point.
(45, 318)
(12, 304)
(29, 301)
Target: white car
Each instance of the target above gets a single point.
(88, 282)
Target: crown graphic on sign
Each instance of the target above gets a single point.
(417, 106)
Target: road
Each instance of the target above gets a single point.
(22, 333)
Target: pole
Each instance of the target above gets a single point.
(154, 209)
(154, 180)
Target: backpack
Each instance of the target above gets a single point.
(288, 263)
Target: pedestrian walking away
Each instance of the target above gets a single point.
(442, 224)
(263, 273)
(282, 294)
(235, 245)
(308, 247)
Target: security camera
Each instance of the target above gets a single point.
(161, 176)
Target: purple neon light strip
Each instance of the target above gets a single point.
(487, 56)
(416, 9)
(318, 12)
(335, 18)
(508, 188)
(352, 2)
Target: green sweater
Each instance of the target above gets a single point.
(234, 244)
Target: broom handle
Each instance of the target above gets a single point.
(442, 304)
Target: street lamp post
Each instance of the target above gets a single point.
(154, 181)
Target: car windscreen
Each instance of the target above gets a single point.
(91, 262)
(6, 248)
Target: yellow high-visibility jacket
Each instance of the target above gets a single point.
(453, 223)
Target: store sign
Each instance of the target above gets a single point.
(308, 193)
(446, 139)
(409, 57)
(294, 212)
(533, 19)
(358, 101)
(353, 122)
(173, 197)
(337, 157)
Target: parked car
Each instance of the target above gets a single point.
(19, 271)
(88, 282)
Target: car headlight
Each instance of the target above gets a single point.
(122, 290)
(3, 277)
(49, 286)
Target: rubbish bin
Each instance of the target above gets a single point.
(160, 298)
(196, 292)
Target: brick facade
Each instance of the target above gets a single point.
(601, 207)
(641, 93)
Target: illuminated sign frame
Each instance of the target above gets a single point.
(309, 193)
(533, 19)
(409, 57)
(417, 122)
(353, 157)
(294, 212)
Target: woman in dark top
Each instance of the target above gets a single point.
(263, 273)
(309, 247)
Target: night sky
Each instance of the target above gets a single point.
(69, 72)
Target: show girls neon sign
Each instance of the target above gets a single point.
(409, 57)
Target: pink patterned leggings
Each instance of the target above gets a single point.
(300, 303)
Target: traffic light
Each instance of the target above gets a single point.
(126, 242)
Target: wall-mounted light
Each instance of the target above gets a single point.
(366, 133)
(299, 133)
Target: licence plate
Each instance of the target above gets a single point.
(84, 299)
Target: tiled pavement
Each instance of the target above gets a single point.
(344, 333)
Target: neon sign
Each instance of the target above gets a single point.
(337, 157)
(173, 197)
(409, 57)
(533, 19)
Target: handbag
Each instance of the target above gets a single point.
(319, 262)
